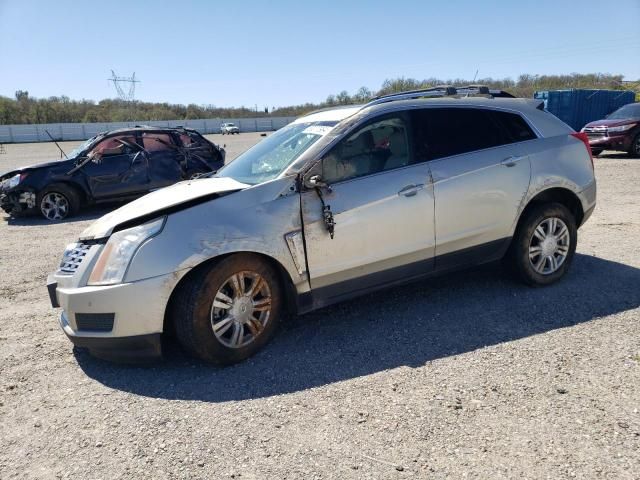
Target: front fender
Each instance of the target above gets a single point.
(252, 220)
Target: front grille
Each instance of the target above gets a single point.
(95, 322)
(596, 132)
(73, 257)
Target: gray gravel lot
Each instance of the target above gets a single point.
(468, 375)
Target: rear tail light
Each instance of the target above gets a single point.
(584, 139)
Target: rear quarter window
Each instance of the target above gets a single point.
(516, 128)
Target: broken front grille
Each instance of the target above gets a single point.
(73, 257)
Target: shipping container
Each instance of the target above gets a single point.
(577, 107)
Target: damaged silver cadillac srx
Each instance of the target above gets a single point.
(339, 203)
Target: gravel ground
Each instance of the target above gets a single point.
(469, 375)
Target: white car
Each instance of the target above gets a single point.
(229, 129)
(338, 203)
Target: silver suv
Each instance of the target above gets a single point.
(229, 129)
(338, 203)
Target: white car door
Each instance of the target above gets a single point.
(383, 208)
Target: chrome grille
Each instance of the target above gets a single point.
(596, 132)
(73, 256)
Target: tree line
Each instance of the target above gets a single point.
(24, 109)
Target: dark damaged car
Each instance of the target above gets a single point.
(113, 166)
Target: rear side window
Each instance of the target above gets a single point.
(191, 140)
(516, 127)
(443, 132)
(157, 142)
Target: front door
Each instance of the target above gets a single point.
(116, 169)
(382, 204)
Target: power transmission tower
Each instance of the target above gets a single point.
(118, 82)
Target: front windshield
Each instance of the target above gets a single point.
(80, 148)
(269, 158)
(628, 111)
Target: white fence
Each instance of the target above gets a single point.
(82, 131)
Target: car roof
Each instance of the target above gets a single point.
(340, 113)
(148, 128)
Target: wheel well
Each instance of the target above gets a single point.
(82, 195)
(558, 195)
(285, 282)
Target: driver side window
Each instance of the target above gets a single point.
(376, 147)
(113, 146)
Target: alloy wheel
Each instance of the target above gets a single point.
(241, 309)
(549, 245)
(54, 206)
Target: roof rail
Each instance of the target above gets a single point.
(439, 91)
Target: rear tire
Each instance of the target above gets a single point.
(58, 202)
(544, 245)
(222, 321)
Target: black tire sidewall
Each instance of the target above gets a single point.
(520, 253)
(204, 343)
(69, 193)
(632, 149)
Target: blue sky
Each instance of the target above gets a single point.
(232, 53)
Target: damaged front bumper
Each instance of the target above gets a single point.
(15, 202)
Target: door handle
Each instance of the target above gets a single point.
(411, 190)
(510, 161)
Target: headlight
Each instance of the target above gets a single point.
(622, 128)
(13, 181)
(119, 250)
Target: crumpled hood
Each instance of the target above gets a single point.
(165, 198)
(34, 167)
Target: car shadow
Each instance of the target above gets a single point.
(404, 326)
(616, 155)
(90, 213)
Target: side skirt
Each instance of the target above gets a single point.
(459, 260)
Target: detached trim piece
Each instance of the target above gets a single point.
(296, 248)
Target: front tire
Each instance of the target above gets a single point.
(544, 245)
(634, 150)
(58, 202)
(228, 311)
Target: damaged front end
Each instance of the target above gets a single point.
(14, 199)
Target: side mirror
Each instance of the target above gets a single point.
(316, 181)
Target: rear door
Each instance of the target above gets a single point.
(382, 205)
(481, 173)
(164, 159)
(116, 169)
